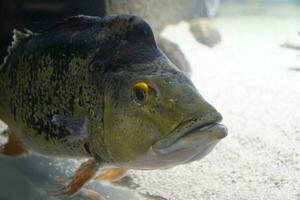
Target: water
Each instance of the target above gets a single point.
(247, 78)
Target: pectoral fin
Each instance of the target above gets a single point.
(86, 171)
(92, 194)
(77, 127)
(112, 174)
(12, 147)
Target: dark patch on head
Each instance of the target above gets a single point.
(115, 41)
(135, 44)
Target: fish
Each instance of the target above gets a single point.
(100, 89)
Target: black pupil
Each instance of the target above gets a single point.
(140, 94)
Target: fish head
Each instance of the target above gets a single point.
(158, 119)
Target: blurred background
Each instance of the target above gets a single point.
(243, 56)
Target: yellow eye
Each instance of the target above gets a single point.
(140, 91)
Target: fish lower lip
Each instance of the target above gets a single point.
(196, 139)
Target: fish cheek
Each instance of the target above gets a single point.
(128, 130)
(130, 135)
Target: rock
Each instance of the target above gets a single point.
(204, 32)
(174, 54)
(160, 13)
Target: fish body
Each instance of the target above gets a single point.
(100, 88)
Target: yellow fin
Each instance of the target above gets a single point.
(91, 194)
(112, 174)
(86, 171)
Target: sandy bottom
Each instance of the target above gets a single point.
(247, 78)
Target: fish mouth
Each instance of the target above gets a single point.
(189, 127)
(191, 140)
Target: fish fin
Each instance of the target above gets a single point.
(92, 194)
(12, 147)
(85, 172)
(112, 174)
(77, 127)
(18, 37)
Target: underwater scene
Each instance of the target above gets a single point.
(149, 100)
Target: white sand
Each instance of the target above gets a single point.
(247, 79)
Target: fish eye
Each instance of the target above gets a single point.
(140, 91)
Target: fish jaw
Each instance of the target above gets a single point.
(182, 147)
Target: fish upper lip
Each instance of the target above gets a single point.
(200, 123)
(199, 128)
